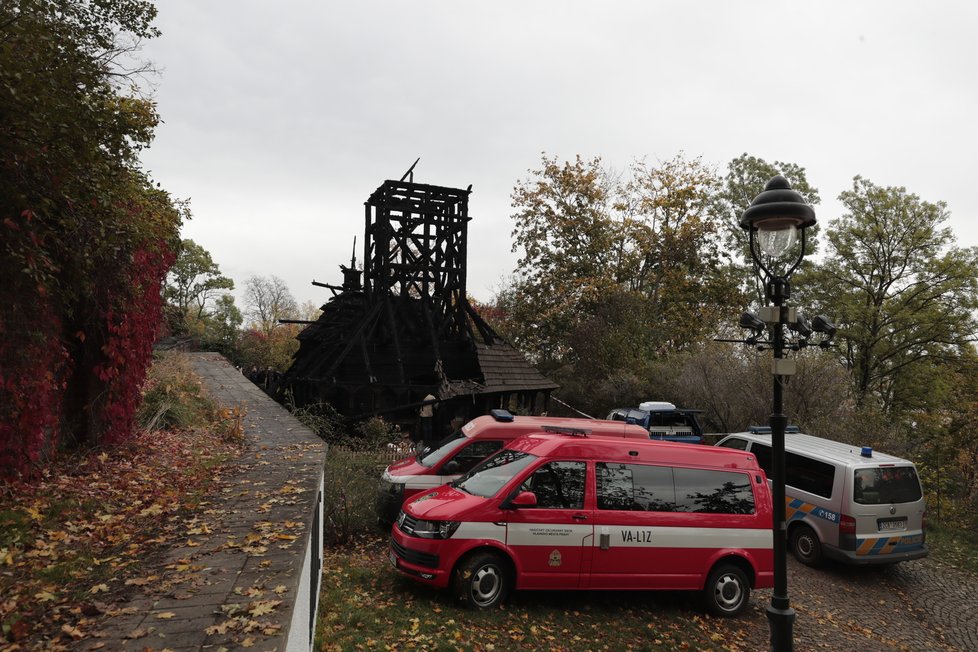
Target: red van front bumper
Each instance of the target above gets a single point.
(420, 559)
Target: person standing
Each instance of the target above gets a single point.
(427, 417)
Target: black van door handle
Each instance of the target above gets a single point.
(580, 517)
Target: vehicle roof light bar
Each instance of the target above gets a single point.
(502, 415)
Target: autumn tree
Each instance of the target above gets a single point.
(675, 232)
(87, 238)
(903, 292)
(588, 238)
(261, 351)
(615, 273)
(571, 247)
(194, 280)
(266, 343)
(947, 450)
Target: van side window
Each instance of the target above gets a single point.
(558, 485)
(814, 476)
(635, 487)
(736, 443)
(474, 453)
(763, 454)
(713, 492)
(641, 487)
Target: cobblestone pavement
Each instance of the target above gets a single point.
(920, 605)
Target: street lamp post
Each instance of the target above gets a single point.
(773, 221)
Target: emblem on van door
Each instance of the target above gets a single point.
(892, 510)
(555, 558)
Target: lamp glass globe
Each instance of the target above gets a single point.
(776, 240)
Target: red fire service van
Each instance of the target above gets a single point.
(472, 443)
(570, 512)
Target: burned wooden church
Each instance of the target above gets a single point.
(406, 330)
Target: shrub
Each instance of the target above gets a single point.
(321, 418)
(173, 396)
(375, 433)
(348, 500)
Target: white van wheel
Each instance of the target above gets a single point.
(482, 580)
(805, 545)
(727, 590)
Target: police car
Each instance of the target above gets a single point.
(845, 502)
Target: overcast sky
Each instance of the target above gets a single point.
(281, 118)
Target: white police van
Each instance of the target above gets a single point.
(844, 502)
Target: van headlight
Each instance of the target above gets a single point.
(394, 488)
(435, 529)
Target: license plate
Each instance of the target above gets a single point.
(392, 557)
(892, 525)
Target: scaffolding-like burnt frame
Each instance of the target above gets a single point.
(412, 322)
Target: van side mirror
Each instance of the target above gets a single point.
(524, 499)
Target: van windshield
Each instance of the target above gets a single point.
(489, 477)
(432, 455)
(885, 485)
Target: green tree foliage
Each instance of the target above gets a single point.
(86, 237)
(194, 280)
(949, 450)
(904, 294)
(221, 327)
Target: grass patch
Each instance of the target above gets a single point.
(956, 547)
(15, 526)
(366, 605)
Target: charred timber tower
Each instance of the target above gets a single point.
(408, 330)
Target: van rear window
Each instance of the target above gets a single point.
(885, 485)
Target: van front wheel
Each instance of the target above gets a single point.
(482, 580)
(805, 545)
(727, 590)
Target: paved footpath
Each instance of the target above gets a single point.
(916, 606)
(233, 583)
